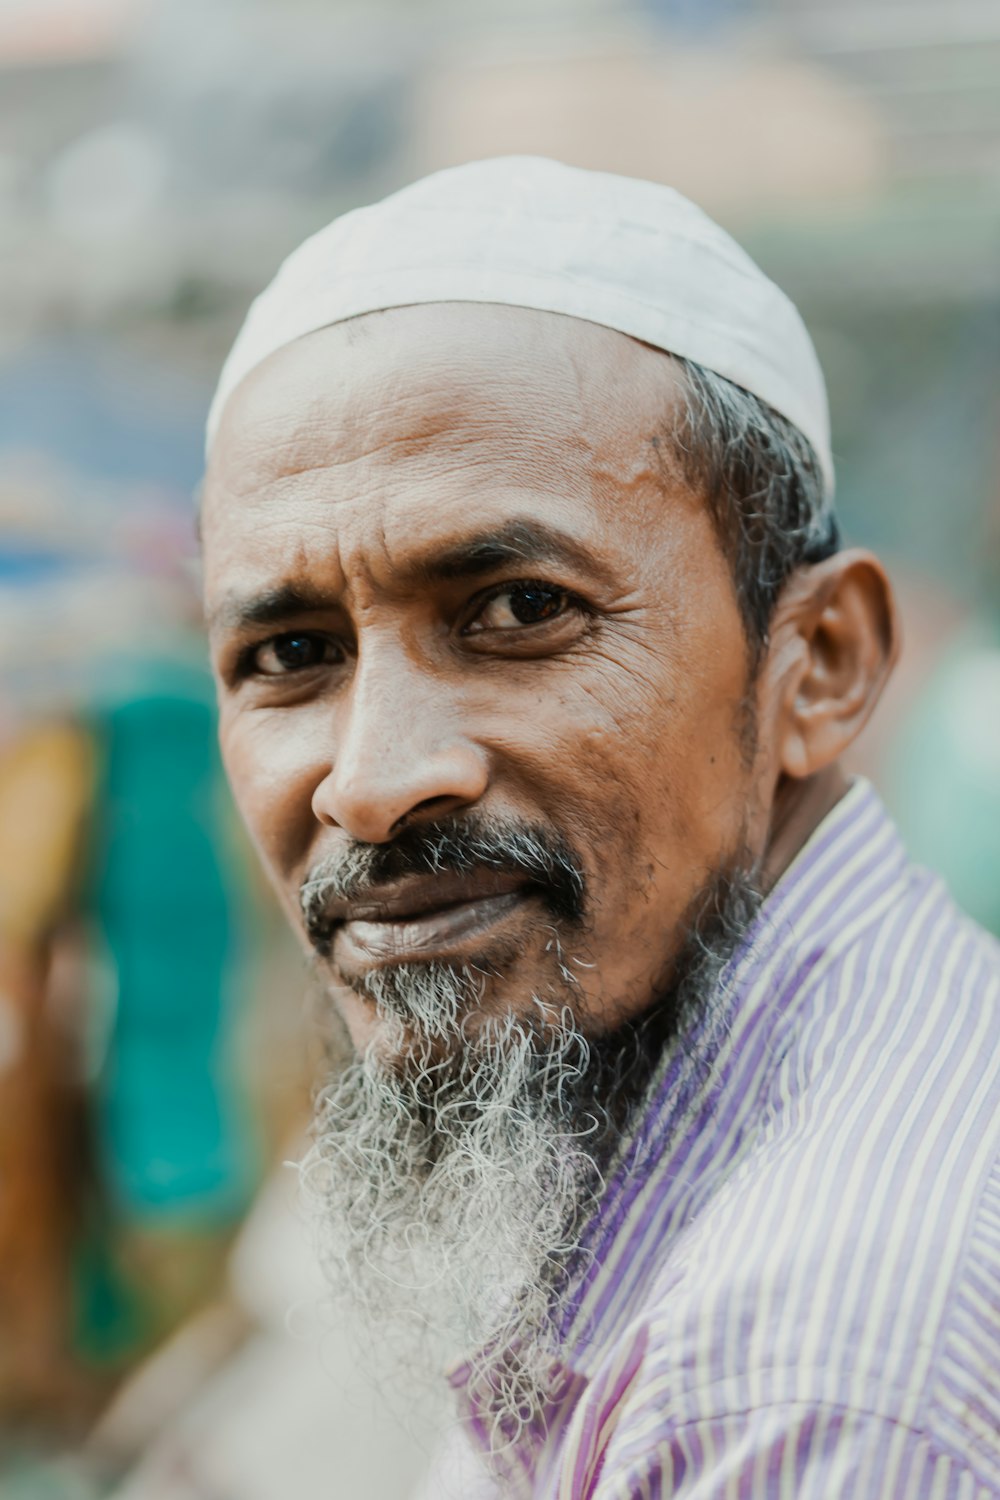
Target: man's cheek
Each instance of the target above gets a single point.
(272, 785)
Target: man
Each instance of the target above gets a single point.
(673, 1092)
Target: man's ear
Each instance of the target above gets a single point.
(834, 640)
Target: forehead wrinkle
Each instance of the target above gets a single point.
(495, 432)
(442, 449)
(271, 411)
(449, 391)
(465, 466)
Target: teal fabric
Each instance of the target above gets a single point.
(174, 1135)
(942, 777)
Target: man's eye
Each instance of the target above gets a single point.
(295, 651)
(520, 604)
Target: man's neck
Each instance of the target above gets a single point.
(799, 808)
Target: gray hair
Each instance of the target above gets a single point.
(764, 488)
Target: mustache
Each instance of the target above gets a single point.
(549, 865)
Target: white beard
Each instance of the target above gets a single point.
(451, 1173)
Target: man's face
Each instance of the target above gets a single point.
(451, 574)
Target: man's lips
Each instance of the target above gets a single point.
(421, 916)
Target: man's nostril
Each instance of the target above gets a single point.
(430, 806)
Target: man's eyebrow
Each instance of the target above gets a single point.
(517, 541)
(269, 607)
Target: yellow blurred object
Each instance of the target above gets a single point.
(46, 779)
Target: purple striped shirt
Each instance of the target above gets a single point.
(795, 1292)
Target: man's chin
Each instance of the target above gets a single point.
(408, 1005)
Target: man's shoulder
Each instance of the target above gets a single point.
(842, 1275)
(894, 1006)
(910, 932)
(849, 1276)
(839, 1356)
(852, 1259)
(876, 1326)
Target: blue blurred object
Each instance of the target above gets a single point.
(23, 567)
(89, 405)
(698, 17)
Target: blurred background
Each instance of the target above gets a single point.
(158, 158)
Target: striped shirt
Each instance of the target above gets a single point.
(798, 1294)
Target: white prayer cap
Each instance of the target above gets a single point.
(527, 232)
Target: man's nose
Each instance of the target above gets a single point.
(399, 755)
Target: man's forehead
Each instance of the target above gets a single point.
(427, 379)
(440, 441)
